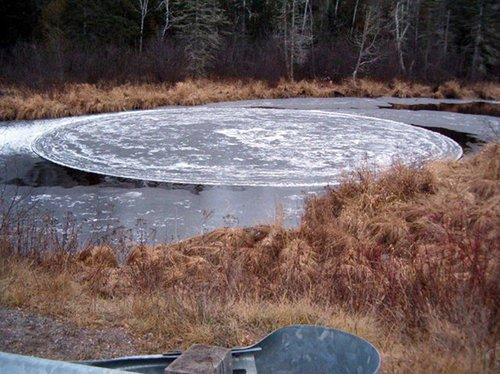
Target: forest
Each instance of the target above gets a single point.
(46, 42)
(318, 162)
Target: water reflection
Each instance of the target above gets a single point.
(154, 211)
(475, 107)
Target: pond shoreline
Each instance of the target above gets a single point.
(17, 103)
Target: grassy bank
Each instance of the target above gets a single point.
(78, 99)
(407, 259)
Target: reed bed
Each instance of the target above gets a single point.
(79, 99)
(408, 259)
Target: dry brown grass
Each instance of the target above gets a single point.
(79, 99)
(408, 259)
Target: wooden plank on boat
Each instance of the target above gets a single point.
(204, 359)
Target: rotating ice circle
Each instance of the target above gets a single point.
(237, 146)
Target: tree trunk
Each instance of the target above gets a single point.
(141, 36)
(476, 56)
(354, 15)
(143, 7)
(166, 26)
(400, 31)
(293, 41)
(446, 31)
(401, 58)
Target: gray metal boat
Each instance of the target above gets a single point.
(292, 349)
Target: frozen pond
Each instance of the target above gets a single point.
(172, 211)
(247, 147)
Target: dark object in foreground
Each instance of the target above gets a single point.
(293, 349)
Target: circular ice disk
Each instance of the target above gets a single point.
(237, 146)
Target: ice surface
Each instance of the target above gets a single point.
(237, 147)
(175, 213)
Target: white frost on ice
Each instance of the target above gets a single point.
(243, 147)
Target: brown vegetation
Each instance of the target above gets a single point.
(407, 259)
(79, 99)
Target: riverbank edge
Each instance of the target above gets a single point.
(75, 99)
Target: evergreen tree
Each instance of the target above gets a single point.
(431, 39)
(198, 24)
(476, 30)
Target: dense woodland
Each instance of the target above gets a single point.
(47, 42)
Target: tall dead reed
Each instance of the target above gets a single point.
(408, 258)
(79, 99)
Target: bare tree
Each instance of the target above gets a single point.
(367, 40)
(402, 23)
(143, 9)
(247, 12)
(296, 29)
(167, 17)
(337, 2)
(354, 14)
